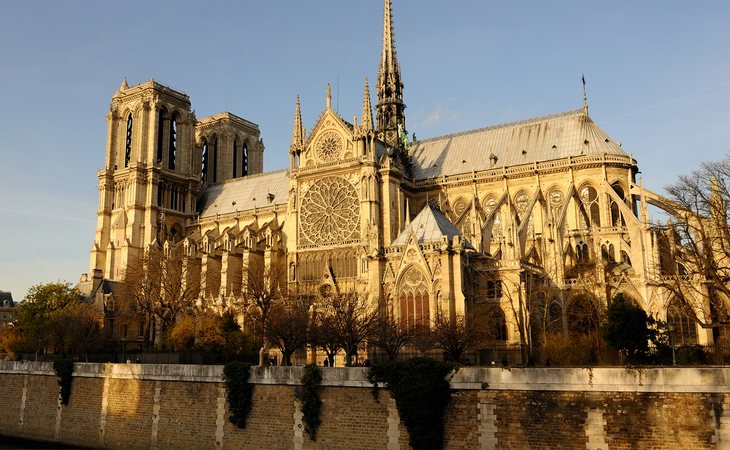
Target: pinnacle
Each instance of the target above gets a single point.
(297, 139)
(367, 112)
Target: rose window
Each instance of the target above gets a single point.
(329, 146)
(330, 212)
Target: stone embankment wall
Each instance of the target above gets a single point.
(177, 406)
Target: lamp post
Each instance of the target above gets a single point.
(670, 327)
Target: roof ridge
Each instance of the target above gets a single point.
(247, 177)
(505, 125)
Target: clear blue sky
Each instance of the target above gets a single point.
(658, 76)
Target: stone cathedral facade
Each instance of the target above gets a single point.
(472, 223)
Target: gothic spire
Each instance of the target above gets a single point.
(297, 138)
(367, 110)
(390, 107)
(388, 57)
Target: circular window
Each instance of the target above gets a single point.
(329, 146)
(330, 211)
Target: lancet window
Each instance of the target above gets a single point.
(215, 160)
(235, 158)
(413, 299)
(589, 210)
(496, 324)
(582, 315)
(522, 201)
(204, 166)
(244, 160)
(682, 326)
(161, 117)
(489, 206)
(616, 219)
(172, 149)
(128, 142)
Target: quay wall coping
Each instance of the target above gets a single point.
(707, 379)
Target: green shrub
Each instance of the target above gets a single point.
(311, 403)
(64, 369)
(239, 391)
(421, 394)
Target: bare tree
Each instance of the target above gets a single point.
(351, 320)
(263, 287)
(287, 328)
(700, 244)
(389, 333)
(455, 335)
(158, 288)
(526, 303)
(325, 335)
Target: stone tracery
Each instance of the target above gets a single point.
(330, 212)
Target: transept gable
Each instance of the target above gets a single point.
(413, 255)
(331, 140)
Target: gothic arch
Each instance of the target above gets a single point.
(589, 209)
(414, 305)
(582, 314)
(496, 325)
(681, 322)
(617, 218)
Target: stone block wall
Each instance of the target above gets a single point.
(181, 407)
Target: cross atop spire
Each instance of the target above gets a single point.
(390, 107)
(585, 95)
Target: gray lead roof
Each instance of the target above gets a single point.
(430, 225)
(245, 193)
(558, 136)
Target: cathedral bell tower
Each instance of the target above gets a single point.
(391, 119)
(150, 180)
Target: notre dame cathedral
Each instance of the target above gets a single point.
(474, 222)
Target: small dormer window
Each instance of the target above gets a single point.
(493, 158)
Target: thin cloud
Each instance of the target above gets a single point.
(442, 113)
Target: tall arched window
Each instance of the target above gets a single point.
(590, 213)
(235, 157)
(684, 328)
(414, 299)
(215, 160)
(244, 160)
(581, 251)
(204, 166)
(489, 205)
(161, 117)
(582, 315)
(172, 152)
(496, 324)
(616, 218)
(128, 143)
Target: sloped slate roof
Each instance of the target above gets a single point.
(430, 225)
(4, 295)
(558, 136)
(247, 192)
